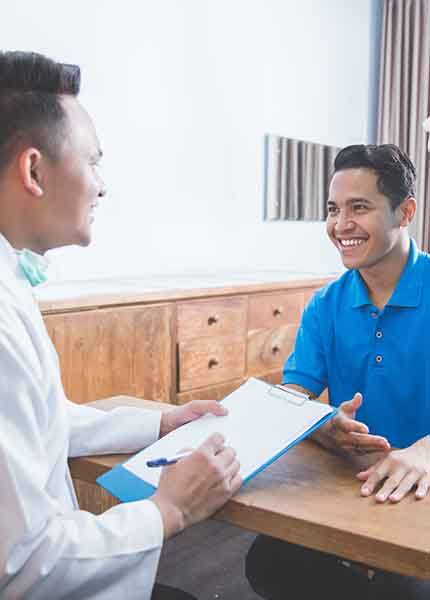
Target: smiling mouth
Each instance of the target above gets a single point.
(351, 243)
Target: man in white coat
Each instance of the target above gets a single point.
(49, 188)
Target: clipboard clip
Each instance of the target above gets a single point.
(293, 396)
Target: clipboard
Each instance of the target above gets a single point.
(264, 421)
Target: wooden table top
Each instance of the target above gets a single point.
(311, 497)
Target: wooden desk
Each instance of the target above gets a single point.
(310, 497)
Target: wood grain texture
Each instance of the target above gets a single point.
(212, 392)
(93, 498)
(309, 292)
(311, 497)
(125, 350)
(267, 349)
(267, 311)
(208, 361)
(212, 318)
(220, 391)
(86, 300)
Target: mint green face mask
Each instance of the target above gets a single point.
(34, 266)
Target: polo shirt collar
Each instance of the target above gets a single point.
(407, 292)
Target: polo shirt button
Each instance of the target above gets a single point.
(379, 334)
(379, 358)
(374, 314)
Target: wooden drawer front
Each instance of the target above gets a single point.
(268, 349)
(273, 310)
(114, 351)
(213, 392)
(308, 293)
(211, 318)
(204, 362)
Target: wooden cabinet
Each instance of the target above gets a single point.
(175, 345)
(109, 351)
(273, 322)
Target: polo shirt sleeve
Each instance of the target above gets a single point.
(307, 366)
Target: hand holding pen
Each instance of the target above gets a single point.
(163, 461)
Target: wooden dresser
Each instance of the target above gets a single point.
(173, 340)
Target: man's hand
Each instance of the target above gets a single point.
(198, 485)
(343, 432)
(402, 470)
(189, 412)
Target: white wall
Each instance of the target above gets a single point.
(182, 93)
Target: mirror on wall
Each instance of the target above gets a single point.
(296, 179)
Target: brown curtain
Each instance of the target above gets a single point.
(297, 179)
(404, 94)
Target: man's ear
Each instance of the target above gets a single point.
(30, 171)
(406, 211)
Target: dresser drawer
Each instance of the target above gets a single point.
(308, 293)
(268, 349)
(212, 392)
(267, 311)
(205, 362)
(212, 318)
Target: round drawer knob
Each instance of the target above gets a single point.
(213, 319)
(276, 349)
(213, 363)
(277, 312)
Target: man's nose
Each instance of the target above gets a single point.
(344, 222)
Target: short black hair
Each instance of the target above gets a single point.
(30, 106)
(395, 170)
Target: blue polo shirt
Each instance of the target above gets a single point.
(348, 345)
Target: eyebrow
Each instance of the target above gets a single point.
(353, 200)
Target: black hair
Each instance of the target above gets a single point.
(30, 106)
(394, 169)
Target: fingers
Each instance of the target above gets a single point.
(391, 484)
(399, 492)
(351, 406)
(226, 456)
(375, 474)
(365, 443)
(231, 480)
(232, 470)
(203, 407)
(347, 424)
(397, 485)
(214, 443)
(423, 487)
(235, 483)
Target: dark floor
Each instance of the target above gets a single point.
(207, 561)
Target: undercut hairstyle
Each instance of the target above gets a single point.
(394, 169)
(31, 111)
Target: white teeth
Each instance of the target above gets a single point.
(353, 242)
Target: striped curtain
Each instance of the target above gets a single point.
(297, 177)
(404, 95)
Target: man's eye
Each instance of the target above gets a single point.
(360, 207)
(332, 210)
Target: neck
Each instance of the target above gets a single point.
(17, 223)
(18, 237)
(382, 278)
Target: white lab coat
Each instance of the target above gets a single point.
(48, 547)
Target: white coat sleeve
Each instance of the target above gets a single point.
(122, 429)
(48, 550)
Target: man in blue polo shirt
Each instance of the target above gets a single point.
(362, 338)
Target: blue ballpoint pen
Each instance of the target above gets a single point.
(164, 460)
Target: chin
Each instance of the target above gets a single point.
(85, 241)
(84, 237)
